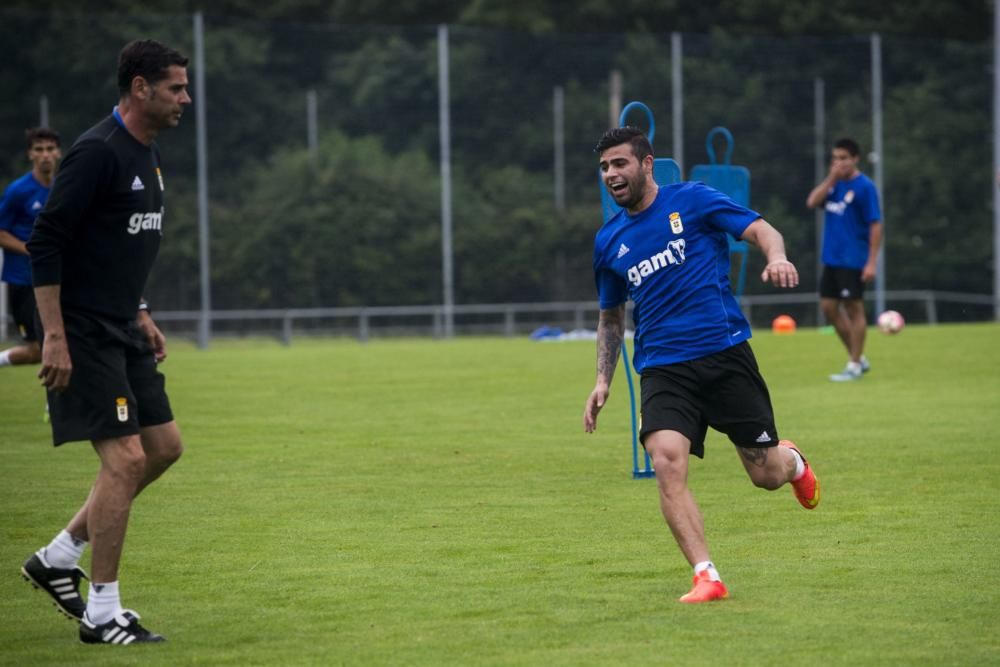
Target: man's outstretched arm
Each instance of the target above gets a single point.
(610, 333)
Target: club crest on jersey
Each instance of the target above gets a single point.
(159, 177)
(849, 196)
(676, 226)
(121, 403)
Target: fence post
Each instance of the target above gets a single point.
(615, 86)
(312, 125)
(438, 333)
(819, 119)
(363, 326)
(559, 141)
(204, 266)
(996, 159)
(43, 111)
(876, 40)
(444, 124)
(677, 96)
(931, 309)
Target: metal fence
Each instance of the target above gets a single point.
(346, 172)
(574, 319)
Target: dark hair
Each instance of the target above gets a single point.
(146, 58)
(620, 135)
(33, 134)
(849, 145)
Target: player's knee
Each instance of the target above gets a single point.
(126, 462)
(163, 444)
(172, 451)
(166, 452)
(33, 353)
(671, 471)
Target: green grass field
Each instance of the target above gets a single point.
(437, 503)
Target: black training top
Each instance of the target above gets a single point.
(100, 230)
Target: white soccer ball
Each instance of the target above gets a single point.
(891, 322)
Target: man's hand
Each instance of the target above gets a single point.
(154, 336)
(595, 402)
(868, 272)
(780, 273)
(840, 170)
(56, 364)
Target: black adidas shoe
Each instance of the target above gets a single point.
(122, 629)
(63, 586)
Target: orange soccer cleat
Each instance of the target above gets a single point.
(806, 488)
(705, 590)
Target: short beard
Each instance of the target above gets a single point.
(638, 189)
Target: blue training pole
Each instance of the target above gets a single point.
(647, 471)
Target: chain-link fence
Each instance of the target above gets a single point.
(325, 154)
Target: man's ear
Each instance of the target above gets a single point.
(140, 88)
(647, 164)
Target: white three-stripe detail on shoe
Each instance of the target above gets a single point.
(118, 636)
(65, 588)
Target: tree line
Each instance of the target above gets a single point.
(357, 223)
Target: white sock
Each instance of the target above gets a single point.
(704, 565)
(800, 466)
(64, 551)
(103, 602)
(5, 358)
(854, 366)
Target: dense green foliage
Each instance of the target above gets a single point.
(360, 223)
(437, 503)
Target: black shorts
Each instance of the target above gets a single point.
(22, 308)
(838, 282)
(115, 387)
(723, 390)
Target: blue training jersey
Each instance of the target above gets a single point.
(22, 202)
(851, 208)
(672, 260)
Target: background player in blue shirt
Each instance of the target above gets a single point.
(852, 235)
(21, 203)
(668, 251)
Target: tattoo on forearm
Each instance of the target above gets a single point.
(610, 332)
(755, 455)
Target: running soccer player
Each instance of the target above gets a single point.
(20, 205)
(852, 236)
(91, 252)
(668, 251)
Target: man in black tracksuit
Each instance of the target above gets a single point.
(92, 249)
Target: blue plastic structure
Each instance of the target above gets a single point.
(735, 182)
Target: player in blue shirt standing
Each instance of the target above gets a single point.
(668, 251)
(852, 235)
(21, 203)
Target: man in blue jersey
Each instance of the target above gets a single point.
(668, 251)
(21, 203)
(852, 235)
